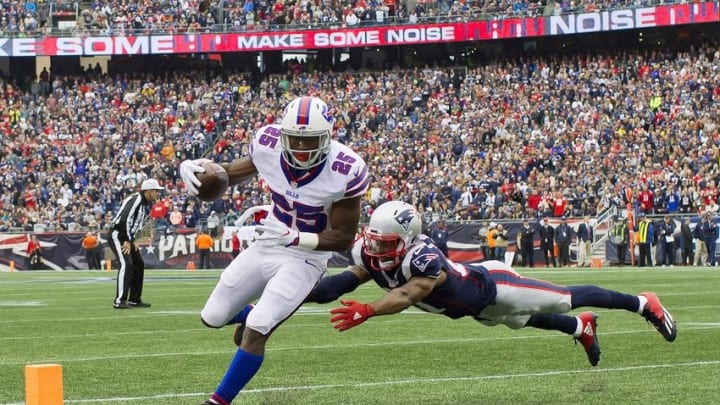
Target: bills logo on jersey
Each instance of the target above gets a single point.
(404, 218)
(421, 261)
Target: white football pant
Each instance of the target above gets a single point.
(281, 278)
(520, 297)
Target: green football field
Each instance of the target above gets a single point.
(164, 355)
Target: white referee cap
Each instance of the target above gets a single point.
(151, 184)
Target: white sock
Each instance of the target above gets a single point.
(578, 329)
(643, 302)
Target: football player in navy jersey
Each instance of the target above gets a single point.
(393, 252)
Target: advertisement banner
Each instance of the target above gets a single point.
(63, 251)
(367, 36)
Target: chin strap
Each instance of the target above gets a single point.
(386, 265)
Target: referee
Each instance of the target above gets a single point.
(126, 224)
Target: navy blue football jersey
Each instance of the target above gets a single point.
(466, 290)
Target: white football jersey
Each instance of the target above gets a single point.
(304, 202)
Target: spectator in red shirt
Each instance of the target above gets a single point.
(159, 213)
(210, 126)
(533, 200)
(30, 201)
(236, 246)
(559, 205)
(646, 199)
(709, 193)
(34, 253)
(159, 210)
(507, 187)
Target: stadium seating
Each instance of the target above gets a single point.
(502, 140)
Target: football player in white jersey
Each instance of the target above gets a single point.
(316, 185)
(411, 268)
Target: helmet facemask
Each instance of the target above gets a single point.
(304, 159)
(393, 226)
(305, 130)
(384, 251)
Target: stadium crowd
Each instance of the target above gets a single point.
(31, 17)
(514, 138)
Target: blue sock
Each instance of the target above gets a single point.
(241, 316)
(563, 323)
(593, 296)
(242, 369)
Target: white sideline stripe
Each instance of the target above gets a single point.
(307, 311)
(398, 382)
(312, 311)
(704, 325)
(22, 304)
(338, 346)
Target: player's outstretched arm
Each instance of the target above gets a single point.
(353, 313)
(332, 287)
(401, 298)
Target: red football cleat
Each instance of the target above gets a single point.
(588, 336)
(657, 315)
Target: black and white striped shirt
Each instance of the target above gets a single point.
(131, 217)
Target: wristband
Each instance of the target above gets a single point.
(308, 240)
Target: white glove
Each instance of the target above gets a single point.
(274, 233)
(188, 168)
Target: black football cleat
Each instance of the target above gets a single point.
(140, 304)
(122, 305)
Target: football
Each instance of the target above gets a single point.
(214, 181)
